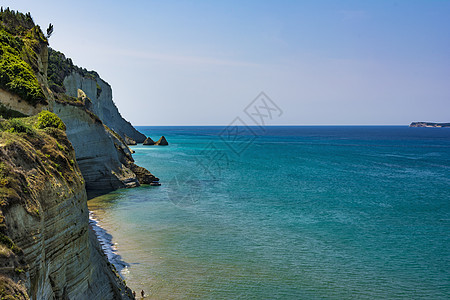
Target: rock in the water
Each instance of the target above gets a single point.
(143, 175)
(149, 141)
(129, 141)
(162, 142)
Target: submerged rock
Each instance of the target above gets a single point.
(148, 141)
(162, 142)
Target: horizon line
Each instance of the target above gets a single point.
(271, 125)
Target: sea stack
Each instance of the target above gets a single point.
(148, 141)
(162, 142)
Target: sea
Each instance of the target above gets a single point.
(285, 212)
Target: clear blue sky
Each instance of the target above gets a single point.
(202, 62)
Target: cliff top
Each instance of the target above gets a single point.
(60, 67)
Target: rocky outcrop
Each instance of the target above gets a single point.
(103, 106)
(162, 142)
(101, 156)
(428, 124)
(143, 175)
(129, 141)
(148, 141)
(47, 250)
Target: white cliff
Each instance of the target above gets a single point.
(100, 94)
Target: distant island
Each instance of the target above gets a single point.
(428, 124)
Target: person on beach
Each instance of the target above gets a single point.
(142, 294)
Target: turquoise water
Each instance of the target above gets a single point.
(286, 213)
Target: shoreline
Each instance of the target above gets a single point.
(105, 240)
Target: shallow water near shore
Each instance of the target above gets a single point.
(287, 213)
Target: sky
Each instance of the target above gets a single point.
(203, 62)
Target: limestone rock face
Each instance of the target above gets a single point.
(102, 163)
(51, 252)
(103, 106)
(162, 142)
(47, 249)
(148, 141)
(14, 102)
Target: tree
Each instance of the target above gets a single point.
(49, 30)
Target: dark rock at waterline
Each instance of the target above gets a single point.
(129, 141)
(148, 141)
(162, 142)
(142, 174)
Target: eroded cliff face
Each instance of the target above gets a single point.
(103, 166)
(100, 93)
(84, 102)
(47, 248)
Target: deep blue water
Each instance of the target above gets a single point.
(287, 213)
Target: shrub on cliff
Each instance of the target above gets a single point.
(49, 119)
(16, 75)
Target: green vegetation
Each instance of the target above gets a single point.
(16, 22)
(10, 290)
(18, 126)
(49, 119)
(16, 75)
(49, 30)
(20, 42)
(9, 243)
(59, 67)
(35, 150)
(99, 90)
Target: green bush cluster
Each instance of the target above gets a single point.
(49, 119)
(16, 75)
